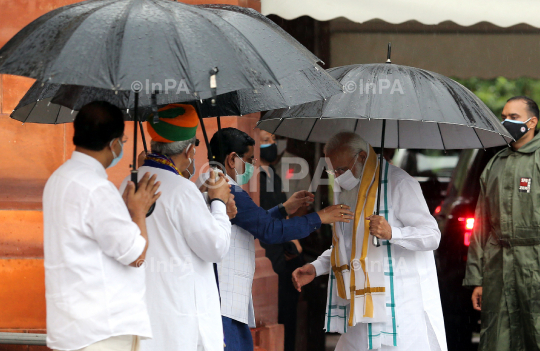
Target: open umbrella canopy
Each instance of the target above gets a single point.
(422, 109)
(56, 103)
(114, 44)
(300, 78)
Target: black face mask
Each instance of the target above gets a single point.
(269, 152)
(517, 129)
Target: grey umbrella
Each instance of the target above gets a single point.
(119, 45)
(421, 109)
(111, 44)
(58, 103)
(394, 106)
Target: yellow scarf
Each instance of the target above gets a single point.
(367, 194)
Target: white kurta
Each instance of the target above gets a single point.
(184, 239)
(89, 241)
(415, 235)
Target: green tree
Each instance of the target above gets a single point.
(495, 92)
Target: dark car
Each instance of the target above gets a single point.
(431, 168)
(455, 217)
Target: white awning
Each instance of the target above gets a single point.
(503, 13)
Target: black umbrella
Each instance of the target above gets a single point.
(394, 106)
(57, 103)
(146, 44)
(111, 44)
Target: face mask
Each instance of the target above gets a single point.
(269, 152)
(517, 129)
(243, 178)
(347, 180)
(116, 158)
(191, 162)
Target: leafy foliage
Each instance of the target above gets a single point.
(495, 92)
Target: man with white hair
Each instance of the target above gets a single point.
(181, 289)
(386, 297)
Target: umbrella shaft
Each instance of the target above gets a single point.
(381, 159)
(136, 120)
(376, 241)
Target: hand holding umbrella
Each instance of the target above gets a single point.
(379, 227)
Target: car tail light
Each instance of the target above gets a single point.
(290, 173)
(437, 210)
(469, 225)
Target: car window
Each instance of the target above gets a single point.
(425, 163)
(460, 172)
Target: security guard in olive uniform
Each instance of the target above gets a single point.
(503, 262)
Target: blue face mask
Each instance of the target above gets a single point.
(116, 158)
(244, 178)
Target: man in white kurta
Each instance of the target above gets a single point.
(94, 241)
(406, 312)
(187, 237)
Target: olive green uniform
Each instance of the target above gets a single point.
(504, 255)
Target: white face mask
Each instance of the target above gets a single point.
(347, 180)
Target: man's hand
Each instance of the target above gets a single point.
(218, 188)
(379, 227)
(336, 213)
(303, 275)
(231, 207)
(297, 200)
(140, 159)
(477, 298)
(139, 201)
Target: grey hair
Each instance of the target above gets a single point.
(171, 149)
(352, 141)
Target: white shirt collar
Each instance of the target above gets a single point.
(89, 161)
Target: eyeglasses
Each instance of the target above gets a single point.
(340, 170)
(123, 139)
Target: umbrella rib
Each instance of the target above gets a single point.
(279, 124)
(58, 114)
(312, 127)
(29, 113)
(480, 140)
(442, 140)
(507, 143)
